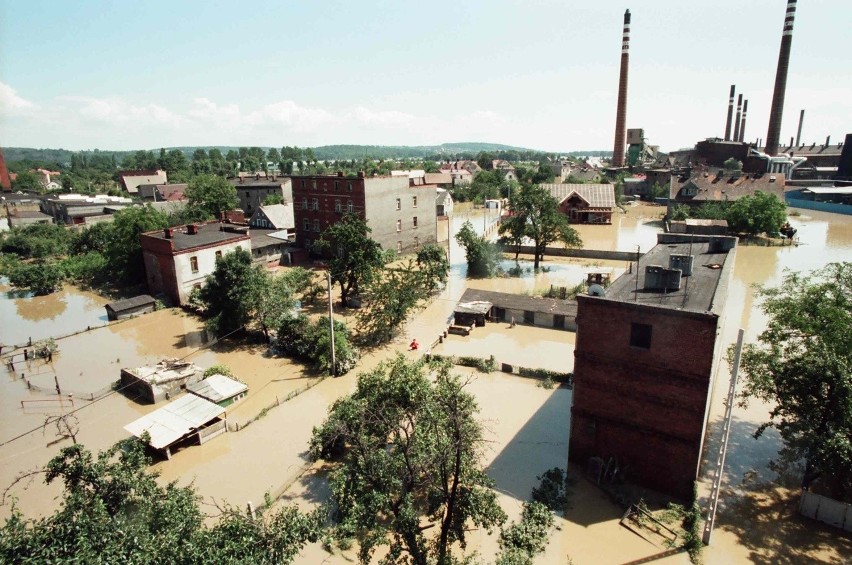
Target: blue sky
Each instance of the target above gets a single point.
(541, 74)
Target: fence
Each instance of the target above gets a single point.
(826, 510)
(800, 202)
(578, 253)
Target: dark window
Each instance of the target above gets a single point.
(529, 317)
(640, 336)
(559, 321)
(218, 254)
(193, 264)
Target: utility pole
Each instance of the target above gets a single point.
(331, 325)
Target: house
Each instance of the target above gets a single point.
(441, 180)
(130, 180)
(561, 169)
(443, 202)
(18, 218)
(186, 421)
(275, 216)
(584, 203)
(253, 190)
(400, 213)
(647, 353)
(129, 307)
(81, 210)
(160, 382)
(504, 167)
(178, 259)
(723, 186)
(219, 389)
(470, 166)
(545, 312)
(162, 192)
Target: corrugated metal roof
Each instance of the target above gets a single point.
(597, 195)
(217, 388)
(174, 420)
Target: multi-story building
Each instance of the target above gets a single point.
(253, 190)
(178, 259)
(399, 211)
(646, 357)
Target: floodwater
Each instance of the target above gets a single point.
(527, 425)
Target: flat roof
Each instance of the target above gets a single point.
(128, 303)
(217, 388)
(209, 233)
(830, 189)
(697, 291)
(521, 302)
(176, 419)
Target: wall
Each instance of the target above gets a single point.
(327, 193)
(645, 407)
(381, 194)
(186, 279)
(797, 200)
(582, 253)
(251, 196)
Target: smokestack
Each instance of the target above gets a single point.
(799, 133)
(621, 111)
(827, 140)
(739, 114)
(730, 113)
(777, 109)
(742, 127)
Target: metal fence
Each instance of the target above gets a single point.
(826, 510)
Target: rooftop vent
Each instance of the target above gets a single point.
(682, 262)
(660, 278)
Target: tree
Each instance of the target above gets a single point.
(274, 302)
(212, 194)
(391, 296)
(536, 214)
(37, 241)
(483, 256)
(310, 341)
(113, 511)
(232, 293)
(27, 181)
(433, 264)
(761, 213)
(355, 257)
(802, 364)
(272, 199)
(410, 459)
(123, 250)
(41, 277)
(732, 164)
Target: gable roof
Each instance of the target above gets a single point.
(722, 185)
(597, 195)
(279, 215)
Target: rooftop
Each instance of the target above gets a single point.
(520, 302)
(206, 234)
(696, 293)
(217, 388)
(597, 195)
(175, 420)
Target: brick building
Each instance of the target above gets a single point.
(178, 259)
(645, 360)
(399, 211)
(584, 203)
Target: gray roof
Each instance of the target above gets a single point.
(521, 302)
(597, 195)
(175, 420)
(217, 388)
(208, 234)
(129, 303)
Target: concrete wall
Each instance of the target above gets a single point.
(394, 228)
(798, 200)
(186, 280)
(645, 407)
(581, 253)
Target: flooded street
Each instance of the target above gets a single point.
(526, 425)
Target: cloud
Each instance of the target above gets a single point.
(11, 102)
(118, 111)
(389, 118)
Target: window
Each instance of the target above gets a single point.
(196, 286)
(193, 264)
(415, 221)
(247, 194)
(336, 186)
(349, 186)
(414, 201)
(417, 242)
(303, 183)
(399, 225)
(314, 184)
(350, 206)
(640, 336)
(308, 244)
(307, 224)
(399, 247)
(305, 203)
(315, 203)
(316, 225)
(399, 204)
(218, 254)
(337, 207)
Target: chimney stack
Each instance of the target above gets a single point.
(730, 113)
(5, 181)
(739, 117)
(777, 110)
(827, 140)
(742, 127)
(621, 110)
(799, 133)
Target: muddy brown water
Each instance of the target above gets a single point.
(528, 425)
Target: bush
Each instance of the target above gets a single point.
(40, 277)
(521, 541)
(310, 341)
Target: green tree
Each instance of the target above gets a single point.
(483, 256)
(391, 296)
(113, 511)
(410, 452)
(272, 199)
(802, 365)
(310, 341)
(212, 194)
(27, 181)
(38, 241)
(40, 277)
(761, 213)
(355, 257)
(123, 250)
(233, 292)
(732, 164)
(274, 302)
(433, 264)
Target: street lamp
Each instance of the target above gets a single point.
(331, 325)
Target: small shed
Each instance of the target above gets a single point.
(160, 382)
(473, 312)
(219, 389)
(188, 419)
(128, 307)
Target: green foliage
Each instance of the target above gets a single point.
(303, 283)
(679, 212)
(355, 257)
(711, 211)
(433, 264)
(761, 213)
(732, 164)
(88, 268)
(410, 451)
(802, 366)
(40, 277)
(27, 182)
(37, 241)
(552, 490)
(657, 191)
(212, 194)
(123, 250)
(93, 239)
(113, 511)
(483, 256)
(218, 370)
(521, 541)
(391, 296)
(310, 341)
(272, 199)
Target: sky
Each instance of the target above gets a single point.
(540, 74)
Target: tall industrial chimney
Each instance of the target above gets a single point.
(799, 133)
(777, 110)
(739, 115)
(5, 182)
(730, 113)
(742, 126)
(621, 111)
